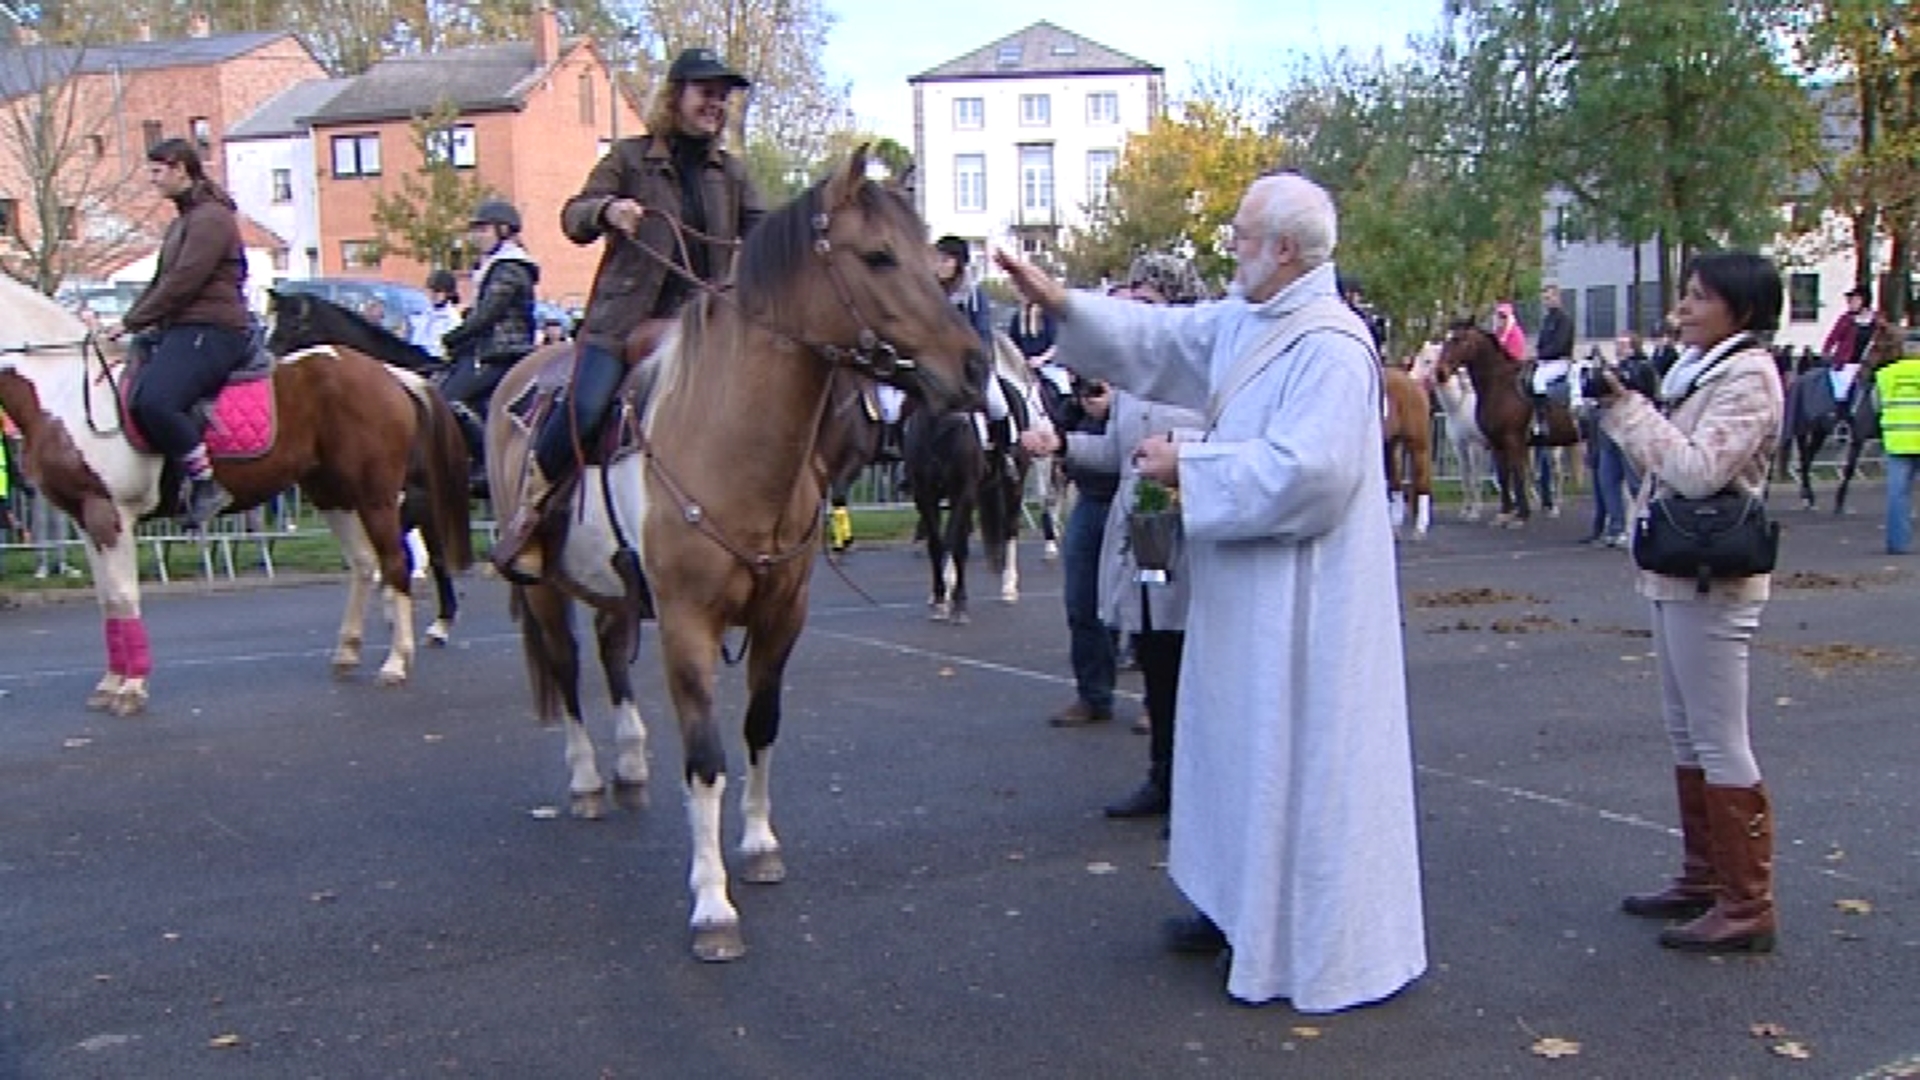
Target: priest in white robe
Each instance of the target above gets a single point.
(1293, 825)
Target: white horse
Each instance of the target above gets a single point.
(1470, 448)
(345, 426)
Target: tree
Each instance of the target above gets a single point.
(426, 220)
(63, 149)
(1175, 188)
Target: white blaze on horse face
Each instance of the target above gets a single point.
(708, 877)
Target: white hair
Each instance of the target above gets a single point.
(1295, 207)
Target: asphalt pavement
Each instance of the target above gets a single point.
(279, 874)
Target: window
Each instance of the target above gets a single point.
(1100, 165)
(1803, 298)
(1601, 323)
(1036, 180)
(1648, 312)
(1103, 108)
(9, 218)
(356, 155)
(151, 133)
(970, 183)
(1008, 55)
(969, 113)
(97, 146)
(452, 145)
(202, 130)
(282, 260)
(586, 98)
(1567, 226)
(1036, 110)
(282, 181)
(358, 253)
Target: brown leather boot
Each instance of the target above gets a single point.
(1740, 821)
(516, 554)
(1691, 894)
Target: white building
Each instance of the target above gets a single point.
(270, 173)
(1014, 140)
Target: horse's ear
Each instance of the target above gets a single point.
(848, 178)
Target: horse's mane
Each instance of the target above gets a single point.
(382, 343)
(778, 247)
(29, 317)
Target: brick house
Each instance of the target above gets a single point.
(122, 98)
(534, 117)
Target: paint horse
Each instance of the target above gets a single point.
(1406, 424)
(342, 428)
(1457, 403)
(303, 321)
(710, 502)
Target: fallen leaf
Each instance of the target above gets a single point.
(1796, 1050)
(1306, 1032)
(1854, 907)
(324, 896)
(1555, 1047)
(544, 813)
(1767, 1029)
(224, 1042)
(946, 673)
(1102, 868)
(75, 743)
(1836, 855)
(1783, 702)
(431, 737)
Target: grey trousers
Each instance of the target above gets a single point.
(1702, 648)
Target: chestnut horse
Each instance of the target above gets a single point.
(718, 500)
(1407, 430)
(345, 426)
(1503, 412)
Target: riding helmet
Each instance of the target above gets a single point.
(441, 281)
(496, 212)
(953, 248)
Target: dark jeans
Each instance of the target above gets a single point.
(188, 364)
(1159, 654)
(1090, 642)
(471, 383)
(596, 379)
(1609, 466)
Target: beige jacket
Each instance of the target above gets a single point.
(1725, 432)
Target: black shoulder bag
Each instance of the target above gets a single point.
(1725, 535)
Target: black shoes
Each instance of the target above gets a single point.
(1195, 934)
(1148, 800)
(205, 499)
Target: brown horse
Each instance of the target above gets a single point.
(344, 427)
(1813, 416)
(1503, 412)
(1407, 425)
(721, 492)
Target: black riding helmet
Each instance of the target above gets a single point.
(954, 248)
(496, 212)
(442, 281)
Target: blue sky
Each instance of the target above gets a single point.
(876, 45)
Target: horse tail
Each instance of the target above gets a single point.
(442, 450)
(548, 700)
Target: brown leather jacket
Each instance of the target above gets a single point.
(201, 269)
(626, 287)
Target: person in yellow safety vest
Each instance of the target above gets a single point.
(1899, 387)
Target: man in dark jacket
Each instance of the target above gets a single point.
(670, 205)
(499, 329)
(1552, 356)
(193, 318)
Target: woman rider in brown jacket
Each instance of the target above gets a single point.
(636, 197)
(193, 317)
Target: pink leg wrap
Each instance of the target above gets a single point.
(116, 648)
(134, 650)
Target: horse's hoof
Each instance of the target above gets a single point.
(764, 868)
(128, 703)
(630, 794)
(960, 618)
(437, 636)
(101, 700)
(390, 677)
(718, 944)
(940, 614)
(1010, 596)
(1514, 523)
(587, 805)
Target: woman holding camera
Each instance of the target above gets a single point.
(1715, 426)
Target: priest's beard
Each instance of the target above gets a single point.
(1252, 272)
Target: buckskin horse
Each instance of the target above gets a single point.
(1503, 413)
(1407, 431)
(302, 321)
(343, 427)
(717, 497)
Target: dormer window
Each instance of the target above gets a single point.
(1009, 55)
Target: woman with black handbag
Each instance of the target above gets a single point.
(1713, 433)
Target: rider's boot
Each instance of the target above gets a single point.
(205, 499)
(517, 554)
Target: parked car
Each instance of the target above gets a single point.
(402, 305)
(106, 300)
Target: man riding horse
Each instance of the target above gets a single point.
(672, 205)
(500, 328)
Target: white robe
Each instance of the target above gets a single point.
(1293, 823)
